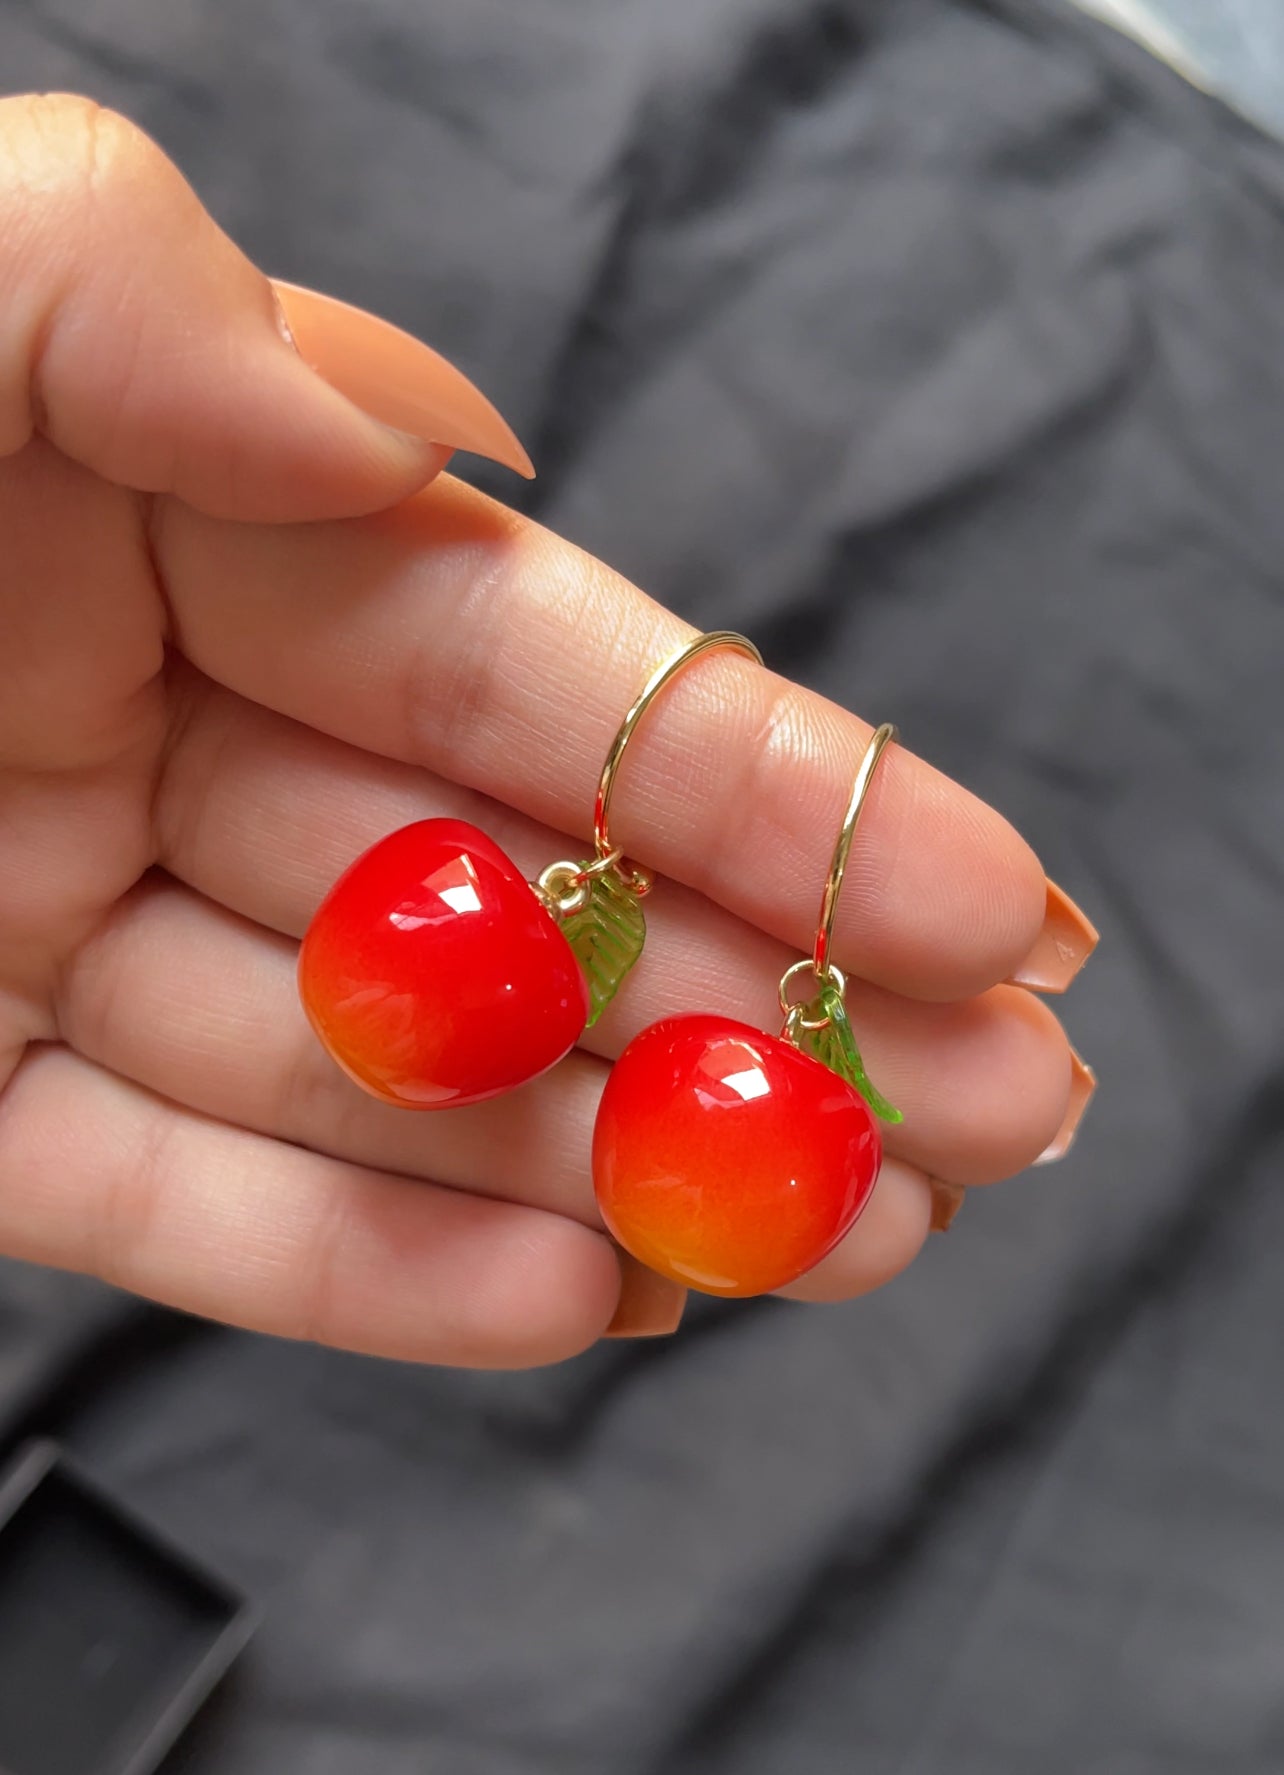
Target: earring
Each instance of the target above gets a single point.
(733, 1161)
(435, 975)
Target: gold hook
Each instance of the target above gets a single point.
(883, 736)
(609, 855)
(822, 969)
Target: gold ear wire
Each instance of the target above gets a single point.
(597, 902)
(883, 736)
(818, 1024)
(565, 886)
(662, 676)
(820, 966)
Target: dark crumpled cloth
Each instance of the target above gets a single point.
(940, 345)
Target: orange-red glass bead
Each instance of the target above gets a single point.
(726, 1159)
(434, 976)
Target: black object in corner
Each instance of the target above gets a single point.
(110, 1638)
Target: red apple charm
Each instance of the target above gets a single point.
(434, 976)
(728, 1160)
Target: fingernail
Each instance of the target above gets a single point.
(1065, 942)
(1083, 1082)
(947, 1199)
(649, 1305)
(395, 378)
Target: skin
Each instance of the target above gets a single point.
(246, 630)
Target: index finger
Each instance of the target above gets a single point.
(456, 635)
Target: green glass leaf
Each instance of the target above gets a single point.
(835, 1047)
(607, 937)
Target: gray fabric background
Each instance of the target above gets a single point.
(940, 345)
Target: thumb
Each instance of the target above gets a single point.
(144, 344)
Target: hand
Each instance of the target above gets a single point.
(241, 638)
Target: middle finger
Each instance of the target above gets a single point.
(262, 814)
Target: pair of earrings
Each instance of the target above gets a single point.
(730, 1160)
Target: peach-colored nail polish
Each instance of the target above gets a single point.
(947, 1199)
(1083, 1082)
(649, 1305)
(1065, 942)
(395, 378)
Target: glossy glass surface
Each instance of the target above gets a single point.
(728, 1160)
(434, 976)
